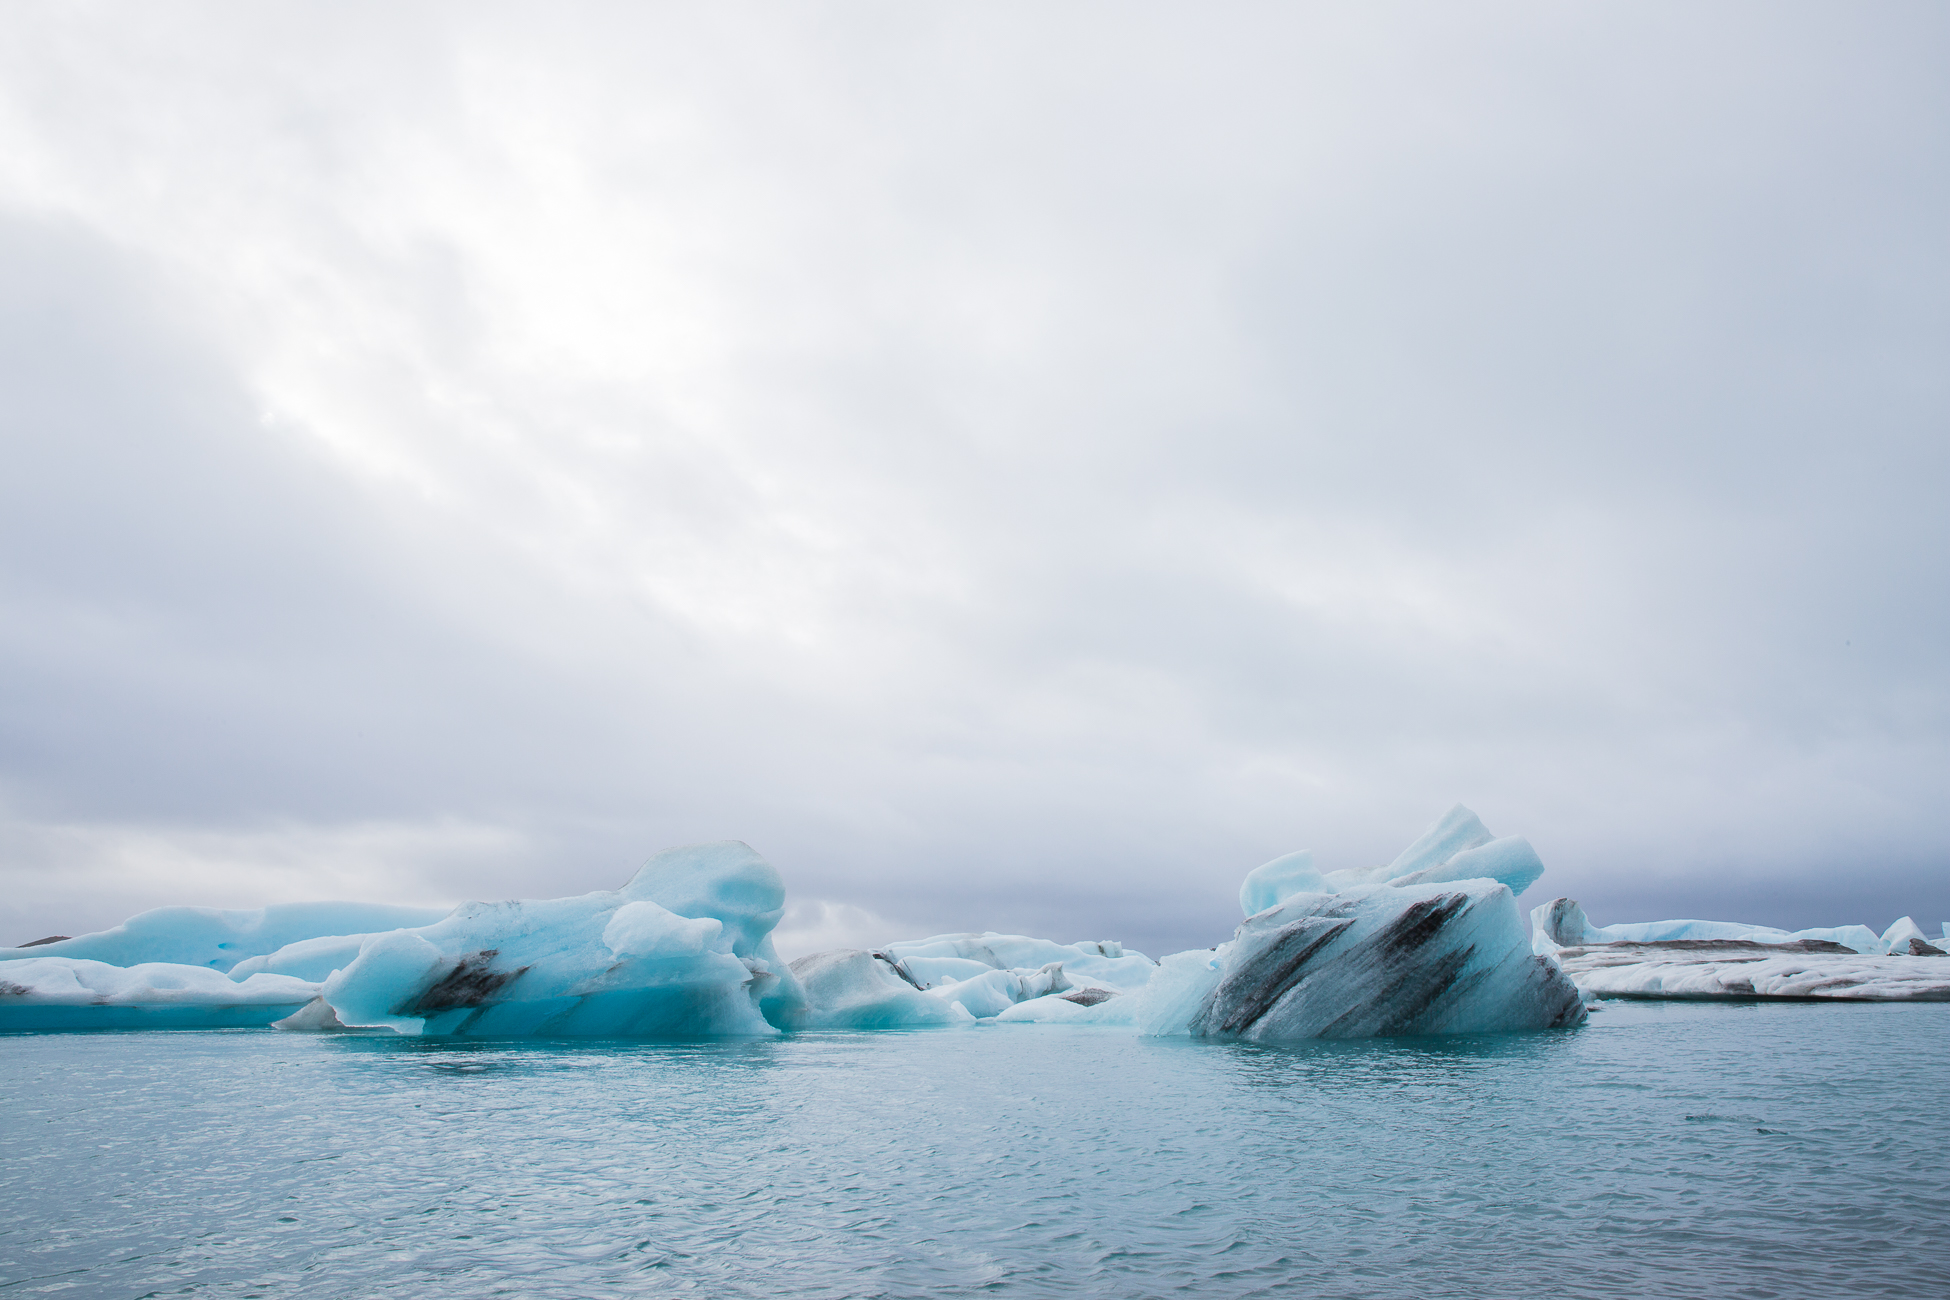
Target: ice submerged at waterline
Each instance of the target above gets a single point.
(1431, 943)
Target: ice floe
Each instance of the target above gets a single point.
(1731, 960)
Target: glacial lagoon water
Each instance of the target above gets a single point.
(1664, 1149)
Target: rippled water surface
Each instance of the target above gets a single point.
(1663, 1150)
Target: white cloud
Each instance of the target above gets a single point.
(956, 451)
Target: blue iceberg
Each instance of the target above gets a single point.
(1430, 943)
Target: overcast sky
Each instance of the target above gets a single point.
(1018, 466)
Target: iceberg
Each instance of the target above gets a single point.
(1561, 923)
(1430, 943)
(218, 940)
(850, 988)
(75, 993)
(683, 950)
(958, 979)
(1730, 960)
(1427, 958)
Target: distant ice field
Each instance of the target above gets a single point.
(1663, 1149)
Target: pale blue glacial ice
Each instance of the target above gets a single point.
(1432, 942)
(684, 949)
(218, 940)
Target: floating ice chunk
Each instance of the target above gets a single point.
(981, 975)
(1379, 959)
(1696, 969)
(1279, 880)
(218, 940)
(1561, 923)
(1163, 1006)
(945, 957)
(853, 989)
(75, 993)
(604, 964)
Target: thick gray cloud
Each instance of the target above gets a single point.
(1018, 468)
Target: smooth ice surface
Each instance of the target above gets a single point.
(218, 939)
(1458, 830)
(1265, 886)
(1665, 1150)
(307, 959)
(74, 993)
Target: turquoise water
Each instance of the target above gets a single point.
(1663, 1150)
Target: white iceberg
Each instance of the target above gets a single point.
(218, 940)
(1693, 969)
(1561, 923)
(1724, 959)
(959, 979)
(75, 993)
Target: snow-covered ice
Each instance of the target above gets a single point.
(1561, 923)
(1721, 968)
(1728, 959)
(75, 993)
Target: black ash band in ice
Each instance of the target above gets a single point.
(1432, 943)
